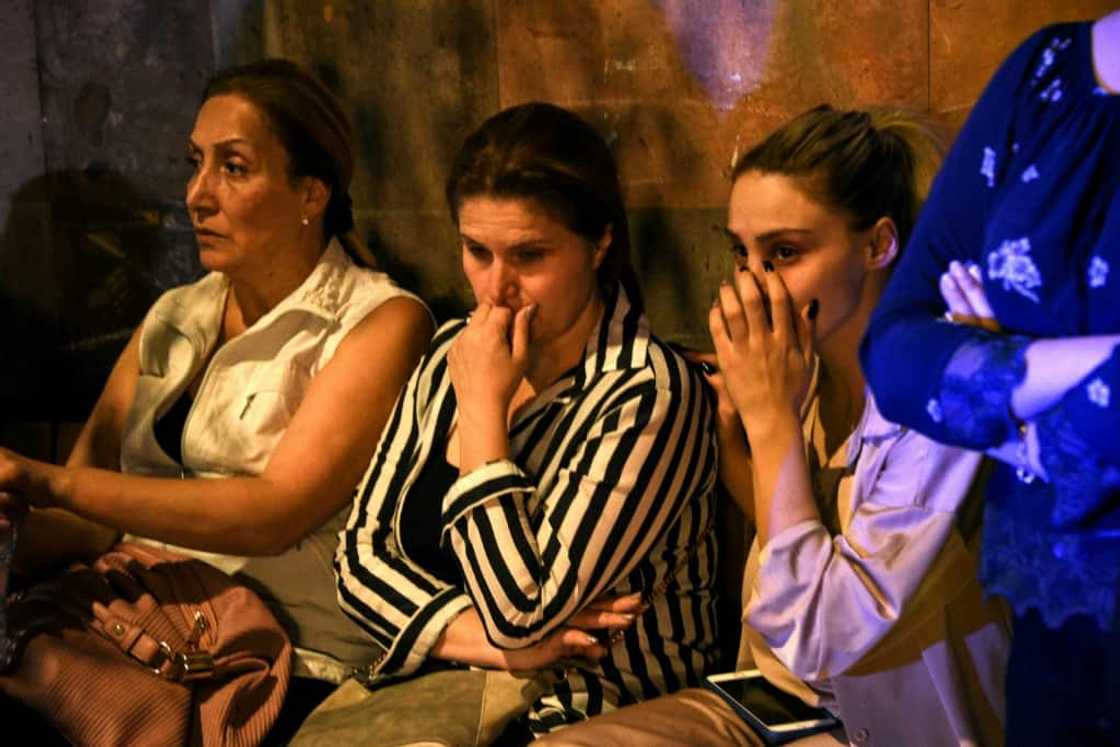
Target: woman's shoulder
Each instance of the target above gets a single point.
(1047, 63)
(874, 429)
(440, 343)
(670, 370)
(362, 290)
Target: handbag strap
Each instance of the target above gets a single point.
(186, 664)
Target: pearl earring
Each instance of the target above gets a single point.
(304, 220)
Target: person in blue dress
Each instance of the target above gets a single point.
(1018, 241)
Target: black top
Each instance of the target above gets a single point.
(169, 428)
(422, 518)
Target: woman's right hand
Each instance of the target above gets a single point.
(27, 481)
(576, 641)
(765, 349)
(962, 289)
(581, 638)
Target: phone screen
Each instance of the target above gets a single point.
(769, 704)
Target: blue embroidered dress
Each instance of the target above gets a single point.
(1031, 193)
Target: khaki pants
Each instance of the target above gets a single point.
(695, 717)
(450, 708)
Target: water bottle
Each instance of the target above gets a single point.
(8, 532)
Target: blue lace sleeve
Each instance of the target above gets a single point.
(1077, 441)
(908, 346)
(975, 399)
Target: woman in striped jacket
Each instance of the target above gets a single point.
(548, 469)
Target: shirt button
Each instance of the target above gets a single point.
(861, 735)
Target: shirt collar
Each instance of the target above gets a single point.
(621, 341)
(320, 292)
(198, 314)
(872, 428)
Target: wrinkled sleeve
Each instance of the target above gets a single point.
(823, 602)
(625, 474)
(908, 346)
(402, 607)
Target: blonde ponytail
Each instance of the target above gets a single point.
(869, 164)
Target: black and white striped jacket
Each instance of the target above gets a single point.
(609, 490)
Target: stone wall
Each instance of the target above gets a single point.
(100, 99)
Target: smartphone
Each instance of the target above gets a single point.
(777, 716)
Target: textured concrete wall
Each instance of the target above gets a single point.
(676, 86)
(23, 294)
(21, 142)
(100, 98)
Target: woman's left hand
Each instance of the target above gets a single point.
(25, 481)
(586, 637)
(766, 358)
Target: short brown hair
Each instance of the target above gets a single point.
(309, 122)
(549, 155)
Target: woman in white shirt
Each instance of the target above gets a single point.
(274, 374)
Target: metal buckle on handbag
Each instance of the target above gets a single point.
(191, 664)
(188, 666)
(368, 675)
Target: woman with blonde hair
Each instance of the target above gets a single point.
(860, 589)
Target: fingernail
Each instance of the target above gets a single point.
(767, 265)
(707, 368)
(590, 640)
(814, 307)
(975, 271)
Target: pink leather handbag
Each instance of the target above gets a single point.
(147, 647)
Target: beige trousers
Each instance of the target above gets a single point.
(695, 717)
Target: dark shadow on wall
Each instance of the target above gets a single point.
(444, 306)
(82, 257)
(237, 30)
(666, 251)
(661, 261)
